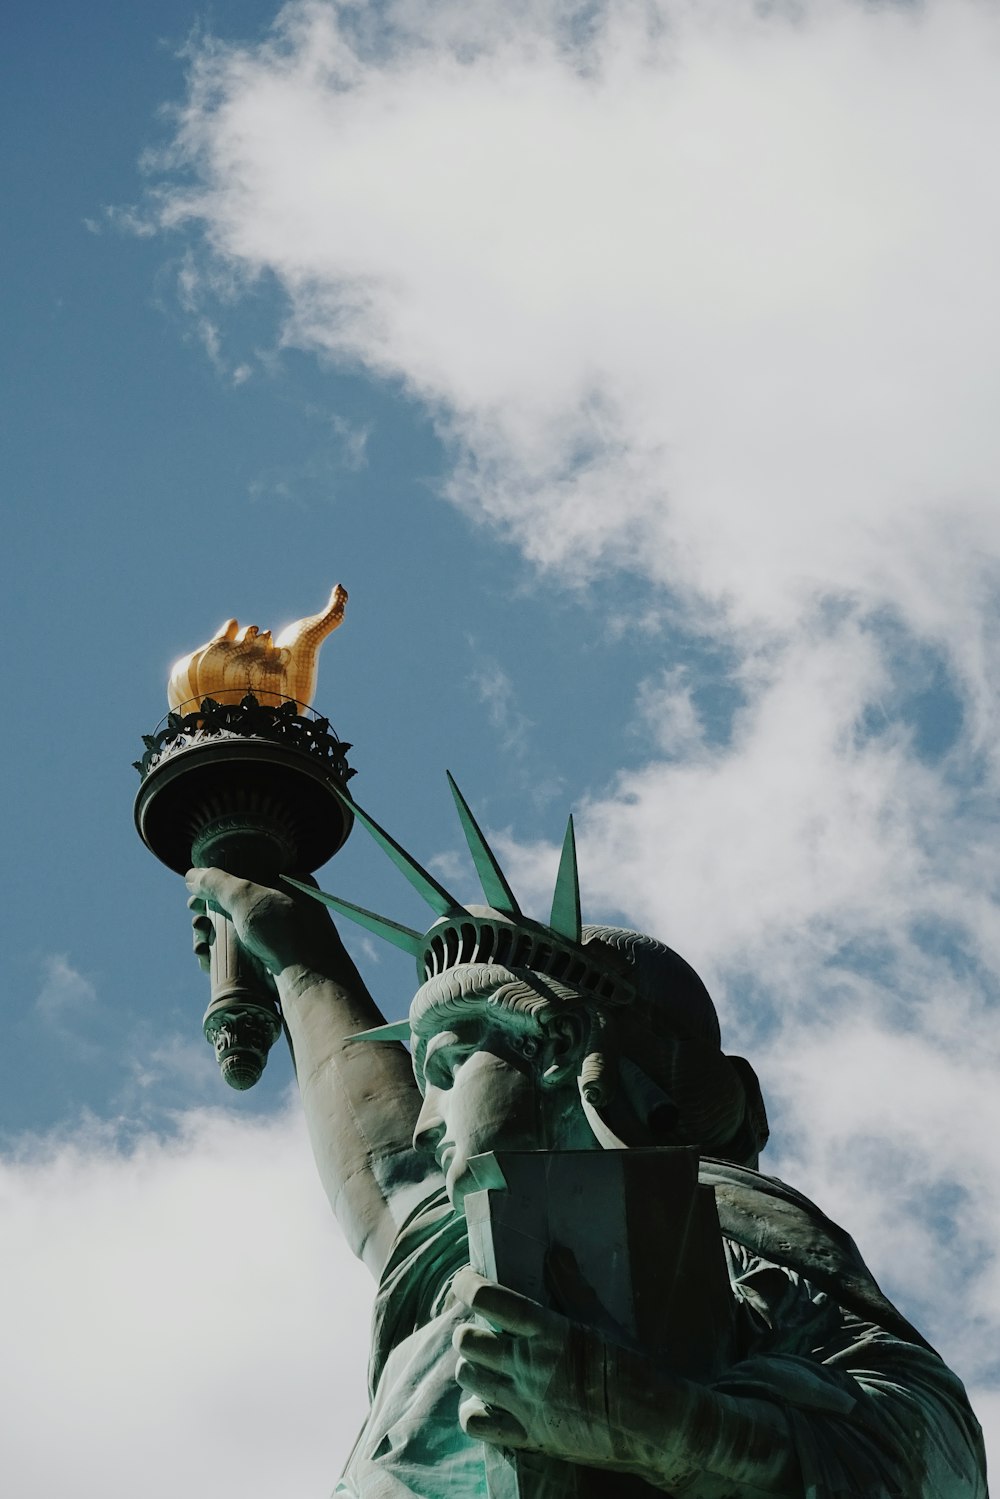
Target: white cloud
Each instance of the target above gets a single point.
(67, 1004)
(166, 1065)
(718, 305)
(183, 1309)
(354, 437)
(66, 994)
(707, 293)
(668, 709)
(498, 694)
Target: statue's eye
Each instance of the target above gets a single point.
(444, 1055)
(436, 1072)
(528, 1046)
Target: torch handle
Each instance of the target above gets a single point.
(242, 1021)
(233, 974)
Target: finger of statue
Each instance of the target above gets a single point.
(494, 1388)
(506, 1310)
(202, 939)
(486, 1424)
(487, 1349)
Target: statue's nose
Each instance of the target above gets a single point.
(428, 1132)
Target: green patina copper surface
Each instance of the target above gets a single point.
(585, 1286)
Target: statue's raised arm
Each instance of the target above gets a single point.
(248, 777)
(361, 1102)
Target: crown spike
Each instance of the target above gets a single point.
(401, 936)
(426, 886)
(492, 878)
(565, 918)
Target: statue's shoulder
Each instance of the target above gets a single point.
(783, 1226)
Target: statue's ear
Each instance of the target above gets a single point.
(565, 1037)
(755, 1130)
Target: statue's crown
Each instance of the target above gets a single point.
(498, 932)
(673, 1050)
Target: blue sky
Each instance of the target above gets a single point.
(135, 532)
(639, 384)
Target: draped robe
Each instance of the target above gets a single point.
(872, 1409)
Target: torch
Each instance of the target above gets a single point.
(244, 775)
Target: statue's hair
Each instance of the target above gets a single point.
(524, 997)
(521, 991)
(674, 994)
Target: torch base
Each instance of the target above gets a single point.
(256, 790)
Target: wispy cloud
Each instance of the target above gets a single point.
(66, 994)
(354, 438)
(496, 690)
(706, 296)
(167, 1072)
(157, 1071)
(668, 709)
(67, 1005)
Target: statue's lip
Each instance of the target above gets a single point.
(445, 1154)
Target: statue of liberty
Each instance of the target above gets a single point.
(563, 1039)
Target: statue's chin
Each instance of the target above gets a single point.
(458, 1179)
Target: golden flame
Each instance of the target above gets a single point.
(235, 662)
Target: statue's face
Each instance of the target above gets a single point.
(484, 1091)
